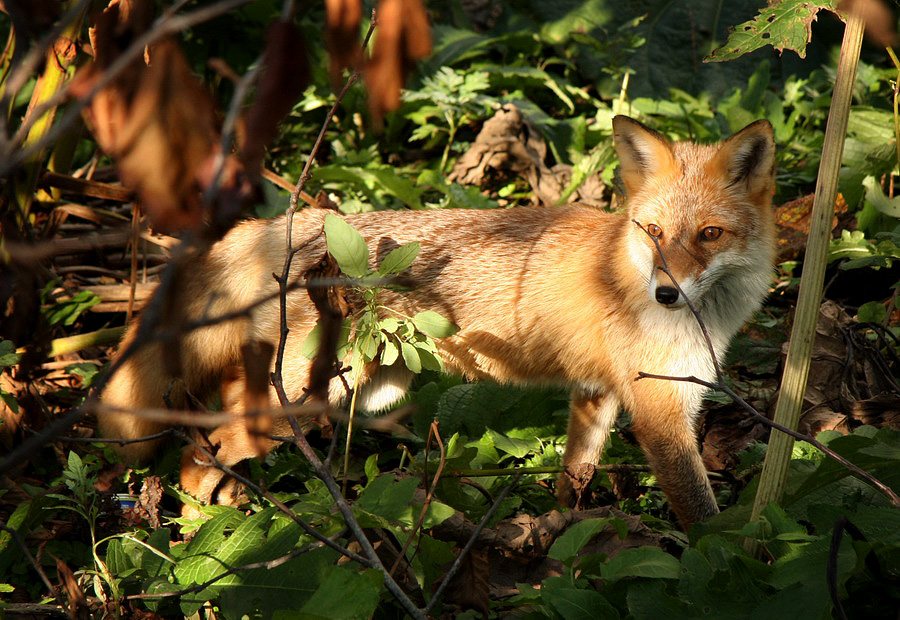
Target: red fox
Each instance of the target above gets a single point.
(569, 295)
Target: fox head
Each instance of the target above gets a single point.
(708, 207)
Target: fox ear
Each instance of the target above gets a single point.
(748, 158)
(642, 153)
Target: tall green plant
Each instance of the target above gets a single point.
(786, 25)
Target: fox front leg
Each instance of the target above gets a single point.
(590, 420)
(663, 419)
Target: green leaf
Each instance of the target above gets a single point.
(433, 324)
(575, 604)
(310, 346)
(875, 195)
(871, 312)
(389, 498)
(86, 370)
(347, 246)
(8, 355)
(575, 538)
(411, 357)
(429, 360)
(389, 352)
(783, 25)
(345, 593)
(399, 259)
(10, 401)
(642, 562)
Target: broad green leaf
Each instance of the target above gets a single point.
(783, 25)
(433, 324)
(642, 562)
(389, 498)
(389, 352)
(388, 324)
(519, 448)
(871, 312)
(399, 259)
(347, 246)
(371, 467)
(367, 344)
(575, 538)
(411, 357)
(429, 360)
(310, 346)
(575, 604)
(345, 594)
(8, 355)
(875, 195)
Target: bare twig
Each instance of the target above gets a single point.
(214, 462)
(429, 489)
(37, 567)
(325, 476)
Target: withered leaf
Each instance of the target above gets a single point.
(285, 75)
(342, 18)
(403, 37)
(156, 118)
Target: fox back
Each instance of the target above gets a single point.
(570, 296)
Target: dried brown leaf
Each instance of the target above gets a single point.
(76, 603)
(285, 75)
(342, 19)
(156, 119)
(403, 37)
(470, 588)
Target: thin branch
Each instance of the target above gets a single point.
(325, 476)
(796, 435)
(665, 269)
(429, 493)
(214, 462)
(37, 567)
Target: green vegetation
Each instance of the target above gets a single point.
(830, 548)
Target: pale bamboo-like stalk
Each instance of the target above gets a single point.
(803, 333)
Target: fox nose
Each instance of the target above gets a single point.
(666, 295)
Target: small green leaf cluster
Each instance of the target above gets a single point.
(369, 334)
(66, 311)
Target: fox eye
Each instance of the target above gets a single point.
(710, 233)
(654, 230)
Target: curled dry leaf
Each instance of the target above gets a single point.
(156, 119)
(285, 75)
(342, 18)
(403, 37)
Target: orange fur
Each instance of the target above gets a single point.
(568, 296)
